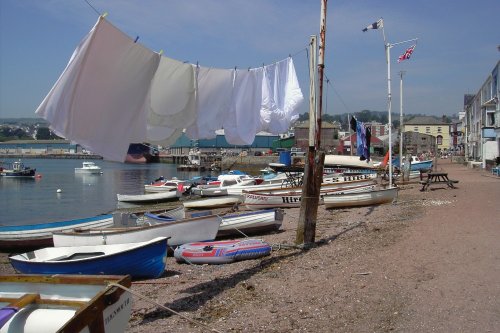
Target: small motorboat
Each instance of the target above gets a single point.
(221, 252)
(89, 168)
(165, 185)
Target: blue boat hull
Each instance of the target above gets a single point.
(143, 262)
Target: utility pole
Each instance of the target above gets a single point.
(313, 173)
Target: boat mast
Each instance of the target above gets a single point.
(313, 172)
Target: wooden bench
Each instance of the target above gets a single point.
(437, 178)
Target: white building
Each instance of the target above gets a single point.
(482, 121)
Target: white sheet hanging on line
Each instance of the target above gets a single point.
(243, 121)
(99, 99)
(213, 97)
(114, 92)
(281, 96)
(172, 104)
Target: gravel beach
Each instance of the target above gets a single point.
(429, 262)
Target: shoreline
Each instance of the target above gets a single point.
(425, 263)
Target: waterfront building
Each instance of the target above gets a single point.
(430, 126)
(481, 122)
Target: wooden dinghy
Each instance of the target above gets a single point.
(221, 252)
(139, 260)
(69, 303)
(20, 237)
(375, 197)
(180, 232)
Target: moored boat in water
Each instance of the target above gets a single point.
(89, 168)
(17, 169)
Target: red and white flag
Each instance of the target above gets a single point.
(407, 53)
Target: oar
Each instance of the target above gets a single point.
(10, 310)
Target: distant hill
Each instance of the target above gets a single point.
(23, 121)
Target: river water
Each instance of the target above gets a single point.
(31, 201)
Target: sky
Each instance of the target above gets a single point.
(456, 50)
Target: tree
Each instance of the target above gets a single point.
(44, 133)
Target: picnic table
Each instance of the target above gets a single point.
(437, 178)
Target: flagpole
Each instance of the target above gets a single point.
(389, 99)
(401, 121)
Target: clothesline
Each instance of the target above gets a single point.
(114, 92)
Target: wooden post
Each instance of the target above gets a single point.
(313, 172)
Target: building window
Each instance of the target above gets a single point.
(490, 119)
(427, 130)
(415, 129)
(439, 140)
(439, 129)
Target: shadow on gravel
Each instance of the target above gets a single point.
(202, 293)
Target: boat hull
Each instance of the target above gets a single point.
(180, 232)
(369, 198)
(70, 303)
(251, 223)
(139, 260)
(292, 199)
(216, 202)
(21, 237)
(149, 198)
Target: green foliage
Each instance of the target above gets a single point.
(44, 133)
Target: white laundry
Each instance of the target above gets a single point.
(114, 92)
(281, 96)
(243, 121)
(173, 99)
(214, 93)
(99, 99)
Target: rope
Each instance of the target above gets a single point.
(95, 10)
(163, 306)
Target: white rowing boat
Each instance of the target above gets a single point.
(149, 197)
(290, 199)
(374, 197)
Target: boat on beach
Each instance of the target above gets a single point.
(415, 163)
(203, 228)
(89, 168)
(64, 303)
(368, 198)
(290, 199)
(216, 202)
(221, 252)
(139, 260)
(155, 197)
(17, 169)
(254, 222)
(20, 237)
